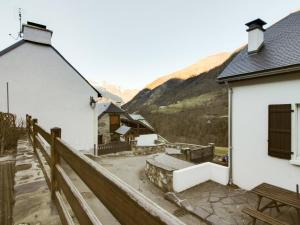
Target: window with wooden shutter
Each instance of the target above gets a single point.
(280, 131)
(114, 122)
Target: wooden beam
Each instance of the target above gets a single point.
(64, 215)
(81, 209)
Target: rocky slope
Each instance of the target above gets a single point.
(202, 66)
(188, 105)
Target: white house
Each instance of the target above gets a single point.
(44, 84)
(264, 95)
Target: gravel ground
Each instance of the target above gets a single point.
(131, 170)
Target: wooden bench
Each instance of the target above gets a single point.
(278, 195)
(257, 215)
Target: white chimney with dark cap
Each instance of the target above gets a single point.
(37, 33)
(255, 35)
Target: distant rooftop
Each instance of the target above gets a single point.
(108, 108)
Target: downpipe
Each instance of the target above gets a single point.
(230, 182)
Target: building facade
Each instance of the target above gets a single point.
(42, 83)
(264, 98)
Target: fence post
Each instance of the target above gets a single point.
(29, 121)
(55, 133)
(34, 123)
(26, 121)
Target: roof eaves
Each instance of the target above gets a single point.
(262, 73)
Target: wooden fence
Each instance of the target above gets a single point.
(126, 204)
(113, 147)
(9, 118)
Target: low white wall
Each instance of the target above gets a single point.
(194, 175)
(146, 140)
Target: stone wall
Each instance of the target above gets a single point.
(147, 150)
(193, 153)
(161, 177)
(104, 128)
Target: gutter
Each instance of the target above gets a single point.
(230, 182)
(264, 73)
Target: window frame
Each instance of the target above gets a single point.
(295, 157)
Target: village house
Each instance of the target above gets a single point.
(116, 125)
(37, 80)
(108, 122)
(264, 106)
(138, 124)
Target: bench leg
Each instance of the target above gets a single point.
(259, 201)
(277, 207)
(258, 205)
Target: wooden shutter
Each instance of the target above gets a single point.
(114, 122)
(280, 131)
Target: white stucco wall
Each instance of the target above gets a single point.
(191, 176)
(251, 163)
(43, 85)
(147, 139)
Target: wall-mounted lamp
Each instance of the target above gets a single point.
(92, 102)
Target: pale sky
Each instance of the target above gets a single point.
(132, 42)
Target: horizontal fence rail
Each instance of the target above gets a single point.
(114, 147)
(126, 204)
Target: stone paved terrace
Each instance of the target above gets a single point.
(207, 203)
(218, 204)
(131, 169)
(33, 203)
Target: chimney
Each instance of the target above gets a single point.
(37, 33)
(255, 35)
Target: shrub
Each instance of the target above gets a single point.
(10, 131)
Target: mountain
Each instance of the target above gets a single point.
(114, 93)
(125, 93)
(203, 65)
(188, 105)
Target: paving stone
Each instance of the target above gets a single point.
(215, 220)
(214, 199)
(239, 199)
(206, 206)
(201, 212)
(186, 205)
(227, 201)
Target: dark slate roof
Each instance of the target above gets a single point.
(281, 49)
(112, 108)
(108, 107)
(21, 42)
